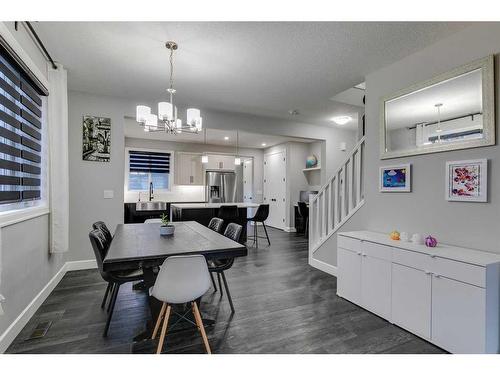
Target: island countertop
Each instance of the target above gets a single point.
(213, 205)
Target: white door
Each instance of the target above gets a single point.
(376, 285)
(349, 275)
(248, 180)
(275, 188)
(411, 299)
(458, 316)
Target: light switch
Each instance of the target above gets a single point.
(108, 194)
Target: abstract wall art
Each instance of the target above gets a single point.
(466, 180)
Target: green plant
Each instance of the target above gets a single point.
(164, 220)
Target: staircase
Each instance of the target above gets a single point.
(335, 203)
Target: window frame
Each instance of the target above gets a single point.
(127, 169)
(16, 212)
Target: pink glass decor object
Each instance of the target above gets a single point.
(430, 241)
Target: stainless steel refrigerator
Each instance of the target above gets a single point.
(224, 187)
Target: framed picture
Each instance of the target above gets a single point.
(467, 180)
(96, 136)
(395, 178)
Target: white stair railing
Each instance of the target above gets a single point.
(338, 199)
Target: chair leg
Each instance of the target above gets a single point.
(112, 305)
(199, 322)
(113, 287)
(158, 321)
(306, 231)
(227, 291)
(163, 331)
(256, 236)
(220, 285)
(265, 230)
(213, 281)
(110, 284)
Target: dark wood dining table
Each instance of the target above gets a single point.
(140, 246)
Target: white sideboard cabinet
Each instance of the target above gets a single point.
(447, 295)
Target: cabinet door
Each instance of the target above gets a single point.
(349, 275)
(376, 285)
(411, 299)
(196, 170)
(182, 169)
(458, 316)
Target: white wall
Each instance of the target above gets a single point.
(194, 193)
(25, 261)
(425, 210)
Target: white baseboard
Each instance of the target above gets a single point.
(290, 229)
(81, 265)
(323, 266)
(18, 324)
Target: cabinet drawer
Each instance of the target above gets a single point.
(377, 251)
(412, 259)
(349, 243)
(460, 271)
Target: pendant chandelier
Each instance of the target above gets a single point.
(167, 120)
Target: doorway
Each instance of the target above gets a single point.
(275, 188)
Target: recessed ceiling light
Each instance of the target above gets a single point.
(341, 120)
(226, 138)
(263, 144)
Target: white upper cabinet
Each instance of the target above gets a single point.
(220, 162)
(188, 169)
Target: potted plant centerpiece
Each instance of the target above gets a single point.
(166, 229)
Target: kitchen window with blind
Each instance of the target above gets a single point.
(22, 106)
(147, 167)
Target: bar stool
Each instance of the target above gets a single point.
(304, 213)
(260, 216)
(181, 279)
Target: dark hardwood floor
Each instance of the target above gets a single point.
(282, 306)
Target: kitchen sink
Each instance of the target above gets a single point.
(151, 206)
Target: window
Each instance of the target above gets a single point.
(146, 167)
(21, 114)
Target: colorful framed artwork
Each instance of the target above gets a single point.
(467, 180)
(395, 178)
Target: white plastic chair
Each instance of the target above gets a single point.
(152, 221)
(181, 279)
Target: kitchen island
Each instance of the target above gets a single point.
(203, 212)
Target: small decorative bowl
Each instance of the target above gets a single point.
(167, 230)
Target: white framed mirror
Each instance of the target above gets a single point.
(452, 111)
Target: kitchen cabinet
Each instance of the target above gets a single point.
(220, 162)
(447, 295)
(188, 169)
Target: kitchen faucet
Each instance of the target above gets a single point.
(151, 191)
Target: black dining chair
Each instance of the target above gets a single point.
(304, 213)
(218, 266)
(260, 216)
(216, 224)
(116, 279)
(107, 235)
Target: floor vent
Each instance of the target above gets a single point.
(40, 330)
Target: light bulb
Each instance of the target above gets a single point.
(152, 122)
(192, 116)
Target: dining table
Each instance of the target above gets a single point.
(140, 246)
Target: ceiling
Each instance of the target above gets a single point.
(214, 137)
(459, 96)
(259, 68)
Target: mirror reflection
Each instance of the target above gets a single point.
(448, 112)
